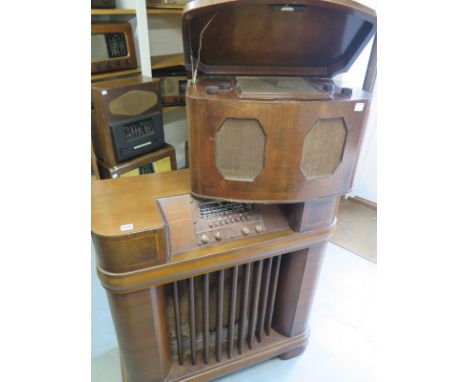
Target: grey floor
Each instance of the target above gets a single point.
(342, 330)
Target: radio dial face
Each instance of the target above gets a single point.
(215, 221)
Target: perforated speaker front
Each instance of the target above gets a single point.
(134, 102)
(323, 148)
(240, 149)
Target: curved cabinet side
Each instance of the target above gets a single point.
(142, 332)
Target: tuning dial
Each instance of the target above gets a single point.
(259, 228)
(245, 231)
(218, 236)
(204, 239)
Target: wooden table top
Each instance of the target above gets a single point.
(132, 201)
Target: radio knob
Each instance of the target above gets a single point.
(259, 228)
(245, 231)
(210, 224)
(231, 219)
(226, 221)
(237, 218)
(204, 239)
(218, 236)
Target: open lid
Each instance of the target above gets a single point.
(272, 37)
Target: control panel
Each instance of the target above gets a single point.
(215, 221)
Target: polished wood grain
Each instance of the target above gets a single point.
(142, 332)
(279, 42)
(110, 64)
(136, 265)
(102, 117)
(166, 151)
(285, 124)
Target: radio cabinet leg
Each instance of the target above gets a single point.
(142, 332)
(296, 287)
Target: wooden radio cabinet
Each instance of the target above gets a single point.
(198, 289)
(212, 269)
(266, 120)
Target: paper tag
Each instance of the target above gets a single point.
(359, 106)
(104, 92)
(126, 227)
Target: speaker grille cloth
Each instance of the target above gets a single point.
(323, 148)
(240, 149)
(134, 102)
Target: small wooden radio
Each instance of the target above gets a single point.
(126, 119)
(112, 47)
(266, 121)
(173, 86)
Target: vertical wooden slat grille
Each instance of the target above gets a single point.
(232, 310)
(245, 306)
(266, 284)
(206, 317)
(271, 304)
(219, 315)
(216, 314)
(193, 350)
(180, 349)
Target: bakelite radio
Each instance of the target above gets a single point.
(126, 119)
(213, 269)
(112, 47)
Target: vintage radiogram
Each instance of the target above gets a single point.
(112, 47)
(126, 119)
(266, 120)
(203, 277)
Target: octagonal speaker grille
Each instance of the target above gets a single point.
(323, 148)
(240, 149)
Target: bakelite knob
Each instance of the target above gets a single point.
(204, 239)
(245, 231)
(258, 228)
(218, 236)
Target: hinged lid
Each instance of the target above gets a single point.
(269, 37)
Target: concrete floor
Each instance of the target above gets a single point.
(342, 330)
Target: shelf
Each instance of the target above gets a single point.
(167, 61)
(120, 73)
(172, 108)
(112, 12)
(164, 11)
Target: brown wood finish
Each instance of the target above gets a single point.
(119, 63)
(102, 116)
(180, 293)
(285, 125)
(300, 43)
(121, 168)
(296, 287)
(141, 326)
(135, 270)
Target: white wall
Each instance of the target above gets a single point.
(365, 181)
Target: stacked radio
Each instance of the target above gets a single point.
(212, 269)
